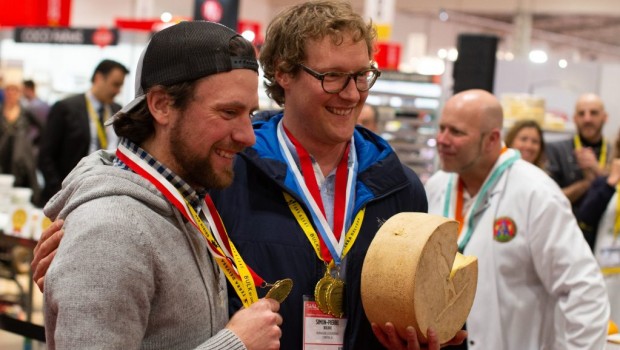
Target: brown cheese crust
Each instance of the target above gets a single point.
(410, 278)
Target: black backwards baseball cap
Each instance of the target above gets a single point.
(186, 51)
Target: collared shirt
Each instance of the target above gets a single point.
(326, 184)
(194, 197)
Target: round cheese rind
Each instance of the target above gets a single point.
(410, 278)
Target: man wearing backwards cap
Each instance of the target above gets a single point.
(134, 270)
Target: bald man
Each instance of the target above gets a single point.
(576, 162)
(534, 265)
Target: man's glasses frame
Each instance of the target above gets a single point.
(337, 75)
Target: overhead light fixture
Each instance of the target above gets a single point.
(442, 53)
(562, 63)
(453, 54)
(166, 17)
(443, 15)
(538, 56)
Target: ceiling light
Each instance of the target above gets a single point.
(538, 56)
(249, 35)
(453, 54)
(166, 17)
(442, 53)
(443, 15)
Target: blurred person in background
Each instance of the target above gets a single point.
(33, 103)
(17, 148)
(75, 126)
(574, 163)
(369, 118)
(1, 88)
(36, 106)
(601, 197)
(599, 218)
(526, 136)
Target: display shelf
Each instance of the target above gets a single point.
(549, 134)
(414, 143)
(557, 135)
(408, 107)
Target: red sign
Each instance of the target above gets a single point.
(103, 37)
(387, 55)
(55, 13)
(136, 24)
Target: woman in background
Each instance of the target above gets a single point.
(17, 150)
(526, 136)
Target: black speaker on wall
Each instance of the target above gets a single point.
(474, 67)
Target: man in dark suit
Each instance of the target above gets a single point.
(75, 126)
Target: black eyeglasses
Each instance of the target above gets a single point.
(334, 82)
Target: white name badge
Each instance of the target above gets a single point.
(321, 331)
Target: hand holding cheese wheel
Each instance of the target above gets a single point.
(414, 276)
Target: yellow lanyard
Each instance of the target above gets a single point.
(94, 116)
(311, 234)
(242, 279)
(602, 160)
(607, 271)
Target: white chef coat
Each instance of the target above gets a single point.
(540, 288)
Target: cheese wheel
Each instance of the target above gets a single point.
(414, 276)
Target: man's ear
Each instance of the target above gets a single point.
(283, 79)
(159, 105)
(495, 137)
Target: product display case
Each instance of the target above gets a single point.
(521, 106)
(408, 106)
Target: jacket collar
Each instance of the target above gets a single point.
(379, 170)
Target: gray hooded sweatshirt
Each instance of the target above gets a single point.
(130, 272)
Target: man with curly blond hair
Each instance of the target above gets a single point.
(309, 197)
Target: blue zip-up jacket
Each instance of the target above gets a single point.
(273, 244)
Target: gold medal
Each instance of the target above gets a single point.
(280, 290)
(334, 297)
(319, 292)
